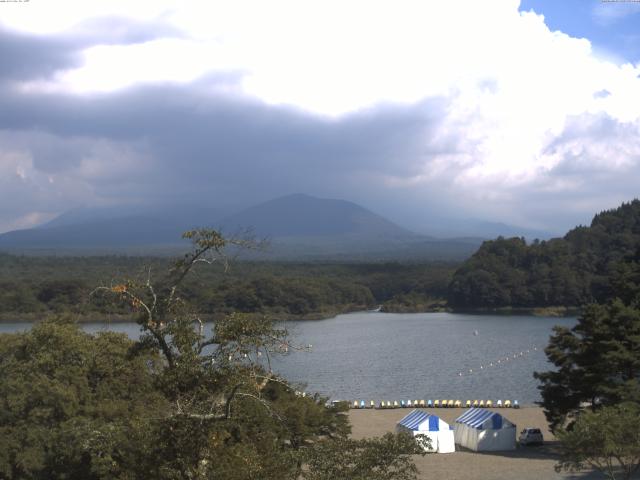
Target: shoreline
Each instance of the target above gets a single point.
(560, 312)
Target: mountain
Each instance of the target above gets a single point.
(298, 226)
(309, 228)
(100, 230)
(178, 215)
(301, 215)
(470, 227)
(588, 264)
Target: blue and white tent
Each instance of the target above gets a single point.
(483, 430)
(419, 422)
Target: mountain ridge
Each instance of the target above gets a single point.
(299, 226)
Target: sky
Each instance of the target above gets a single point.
(526, 113)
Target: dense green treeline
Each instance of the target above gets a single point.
(45, 285)
(582, 267)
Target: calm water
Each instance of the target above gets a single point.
(382, 356)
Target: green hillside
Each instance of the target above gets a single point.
(582, 267)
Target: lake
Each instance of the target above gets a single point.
(384, 356)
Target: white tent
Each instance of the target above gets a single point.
(433, 427)
(483, 430)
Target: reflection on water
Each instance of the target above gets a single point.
(382, 356)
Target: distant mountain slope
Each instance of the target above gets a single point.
(581, 267)
(301, 215)
(298, 226)
(178, 215)
(107, 229)
(455, 227)
(309, 228)
(116, 233)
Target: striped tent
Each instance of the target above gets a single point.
(419, 422)
(483, 430)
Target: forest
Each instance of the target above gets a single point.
(586, 265)
(34, 286)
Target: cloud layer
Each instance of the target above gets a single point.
(470, 110)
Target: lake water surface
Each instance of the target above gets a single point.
(384, 356)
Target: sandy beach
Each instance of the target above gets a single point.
(524, 463)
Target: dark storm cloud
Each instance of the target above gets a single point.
(25, 57)
(202, 140)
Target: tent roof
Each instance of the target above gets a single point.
(477, 418)
(416, 418)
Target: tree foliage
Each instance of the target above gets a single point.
(580, 268)
(607, 440)
(371, 459)
(37, 286)
(186, 401)
(73, 405)
(597, 362)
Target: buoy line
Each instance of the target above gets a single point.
(499, 362)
